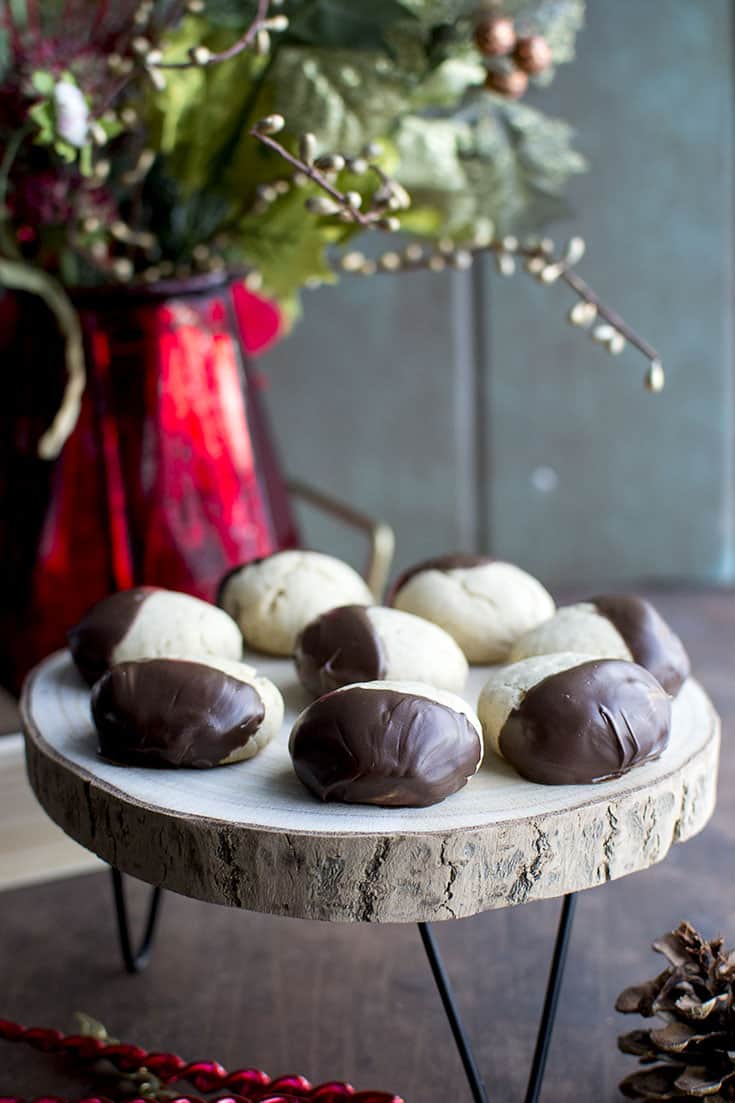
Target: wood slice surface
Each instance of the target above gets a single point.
(250, 836)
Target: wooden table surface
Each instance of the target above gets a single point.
(357, 1002)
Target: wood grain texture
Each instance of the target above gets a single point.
(644, 484)
(248, 837)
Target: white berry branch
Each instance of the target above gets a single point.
(257, 37)
(390, 196)
(589, 313)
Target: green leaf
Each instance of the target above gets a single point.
(429, 151)
(287, 245)
(235, 14)
(344, 24)
(345, 98)
(43, 116)
(496, 160)
(85, 160)
(432, 12)
(448, 82)
(65, 150)
(112, 127)
(43, 82)
(200, 112)
(519, 164)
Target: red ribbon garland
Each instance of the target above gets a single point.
(249, 1085)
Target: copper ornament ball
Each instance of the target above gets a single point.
(511, 83)
(495, 36)
(532, 54)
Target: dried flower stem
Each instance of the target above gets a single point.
(585, 292)
(245, 42)
(566, 274)
(368, 219)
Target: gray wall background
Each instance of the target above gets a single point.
(433, 400)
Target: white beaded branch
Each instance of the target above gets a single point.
(538, 254)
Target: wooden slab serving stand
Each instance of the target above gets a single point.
(249, 836)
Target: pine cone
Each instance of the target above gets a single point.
(695, 1049)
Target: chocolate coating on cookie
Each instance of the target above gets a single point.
(381, 746)
(230, 574)
(647, 635)
(173, 712)
(588, 723)
(93, 640)
(450, 562)
(338, 648)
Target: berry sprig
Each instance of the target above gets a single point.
(322, 170)
(537, 255)
(539, 258)
(257, 37)
(511, 59)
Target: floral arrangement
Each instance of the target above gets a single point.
(137, 143)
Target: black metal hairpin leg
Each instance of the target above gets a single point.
(551, 1002)
(135, 961)
(479, 1093)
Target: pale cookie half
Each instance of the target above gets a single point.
(613, 626)
(273, 599)
(484, 604)
(355, 643)
(567, 719)
(150, 623)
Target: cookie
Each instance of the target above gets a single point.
(566, 719)
(397, 744)
(149, 623)
(357, 643)
(273, 599)
(614, 626)
(484, 604)
(184, 712)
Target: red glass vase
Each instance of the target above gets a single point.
(170, 477)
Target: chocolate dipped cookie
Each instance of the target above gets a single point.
(184, 712)
(398, 744)
(356, 643)
(273, 599)
(148, 623)
(566, 719)
(484, 604)
(613, 626)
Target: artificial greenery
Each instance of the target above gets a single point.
(167, 159)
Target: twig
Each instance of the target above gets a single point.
(541, 263)
(566, 274)
(345, 202)
(585, 292)
(538, 255)
(207, 57)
